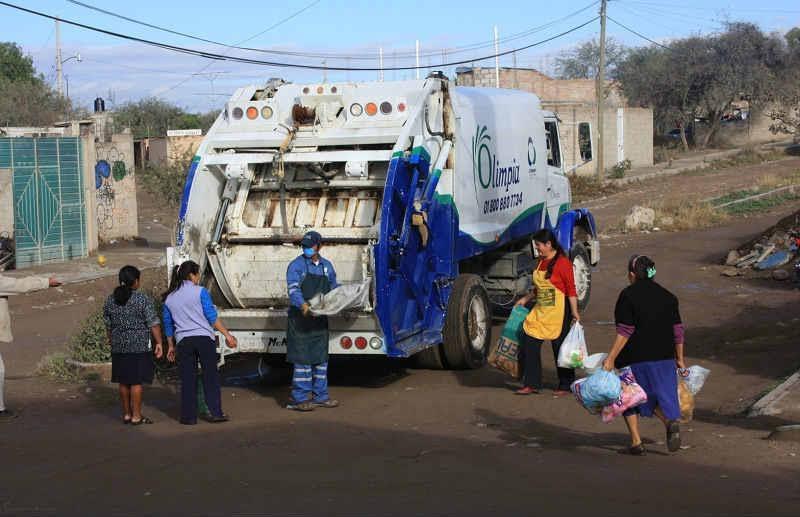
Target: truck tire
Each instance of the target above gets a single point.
(430, 358)
(582, 269)
(468, 325)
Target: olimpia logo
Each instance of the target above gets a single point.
(482, 158)
(531, 152)
(486, 167)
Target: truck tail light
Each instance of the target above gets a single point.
(320, 89)
(386, 108)
(356, 110)
(375, 343)
(266, 112)
(401, 107)
(346, 343)
(361, 342)
(237, 113)
(371, 108)
(252, 112)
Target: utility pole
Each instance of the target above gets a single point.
(600, 92)
(496, 59)
(417, 52)
(59, 74)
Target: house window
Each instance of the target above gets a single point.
(585, 141)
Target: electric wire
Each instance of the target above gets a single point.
(279, 64)
(322, 55)
(654, 42)
(767, 10)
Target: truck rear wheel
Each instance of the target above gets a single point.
(582, 269)
(468, 325)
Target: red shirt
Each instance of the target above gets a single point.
(563, 277)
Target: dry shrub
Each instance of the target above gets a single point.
(687, 215)
(589, 186)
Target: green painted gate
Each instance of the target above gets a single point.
(49, 201)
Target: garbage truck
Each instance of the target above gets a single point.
(428, 191)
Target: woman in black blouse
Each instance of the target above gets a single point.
(131, 320)
(649, 340)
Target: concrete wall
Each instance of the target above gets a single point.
(743, 132)
(6, 202)
(113, 185)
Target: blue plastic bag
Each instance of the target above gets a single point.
(598, 390)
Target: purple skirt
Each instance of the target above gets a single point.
(660, 381)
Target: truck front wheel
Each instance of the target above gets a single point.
(582, 269)
(468, 325)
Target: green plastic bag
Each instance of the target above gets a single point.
(513, 326)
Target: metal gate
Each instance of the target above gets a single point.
(49, 203)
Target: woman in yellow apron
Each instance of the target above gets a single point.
(556, 305)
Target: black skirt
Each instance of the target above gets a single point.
(132, 369)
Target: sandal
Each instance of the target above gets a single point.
(216, 419)
(527, 390)
(143, 420)
(126, 420)
(637, 450)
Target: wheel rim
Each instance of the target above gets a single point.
(582, 275)
(477, 328)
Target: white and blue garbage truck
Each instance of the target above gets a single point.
(427, 191)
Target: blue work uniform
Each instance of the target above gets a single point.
(307, 336)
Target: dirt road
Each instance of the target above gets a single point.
(416, 442)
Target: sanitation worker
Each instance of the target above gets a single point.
(9, 286)
(307, 335)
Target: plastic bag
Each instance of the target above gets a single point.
(686, 401)
(351, 296)
(573, 350)
(513, 326)
(505, 357)
(632, 395)
(594, 362)
(598, 390)
(694, 377)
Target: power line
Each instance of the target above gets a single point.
(322, 55)
(279, 64)
(638, 33)
(766, 10)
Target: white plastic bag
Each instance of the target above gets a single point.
(594, 362)
(694, 377)
(573, 350)
(344, 297)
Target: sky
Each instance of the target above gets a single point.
(447, 30)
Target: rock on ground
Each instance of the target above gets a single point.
(639, 218)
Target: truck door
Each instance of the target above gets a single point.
(557, 183)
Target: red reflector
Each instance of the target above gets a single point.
(361, 343)
(346, 343)
(401, 107)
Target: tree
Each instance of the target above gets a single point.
(152, 117)
(701, 77)
(582, 62)
(25, 98)
(785, 108)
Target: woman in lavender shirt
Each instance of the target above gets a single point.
(190, 318)
(650, 341)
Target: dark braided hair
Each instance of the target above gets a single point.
(544, 236)
(179, 275)
(642, 267)
(128, 276)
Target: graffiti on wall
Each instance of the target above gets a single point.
(109, 168)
